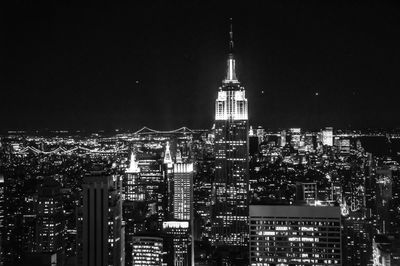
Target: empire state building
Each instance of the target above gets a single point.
(230, 187)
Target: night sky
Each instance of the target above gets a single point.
(71, 66)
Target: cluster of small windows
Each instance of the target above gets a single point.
(183, 196)
(295, 241)
(147, 251)
(230, 226)
(234, 239)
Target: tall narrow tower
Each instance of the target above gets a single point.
(50, 220)
(230, 186)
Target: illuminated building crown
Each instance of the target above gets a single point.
(231, 103)
(133, 165)
(167, 156)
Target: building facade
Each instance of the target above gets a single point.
(132, 206)
(178, 243)
(133, 190)
(50, 224)
(183, 191)
(294, 235)
(327, 136)
(147, 250)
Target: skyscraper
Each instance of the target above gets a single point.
(152, 180)
(183, 211)
(133, 191)
(178, 243)
(384, 183)
(357, 236)
(230, 185)
(283, 138)
(295, 140)
(327, 136)
(168, 165)
(50, 224)
(183, 191)
(101, 223)
(134, 197)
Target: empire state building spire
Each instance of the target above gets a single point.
(231, 70)
(231, 38)
(231, 103)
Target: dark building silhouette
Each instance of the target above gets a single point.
(50, 223)
(357, 239)
(100, 233)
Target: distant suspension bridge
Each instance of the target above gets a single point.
(122, 149)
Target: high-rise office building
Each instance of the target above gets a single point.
(384, 183)
(295, 137)
(178, 243)
(147, 250)
(29, 236)
(357, 236)
(169, 177)
(229, 222)
(50, 223)
(282, 141)
(132, 206)
(133, 191)
(260, 134)
(327, 136)
(101, 234)
(183, 211)
(153, 180)
(134, 218)
(183, 191)
(295, 235)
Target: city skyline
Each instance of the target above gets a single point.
(304, 65)
(269, 135)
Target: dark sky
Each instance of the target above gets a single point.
(70, 66)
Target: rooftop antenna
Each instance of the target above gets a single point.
(231, 37)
